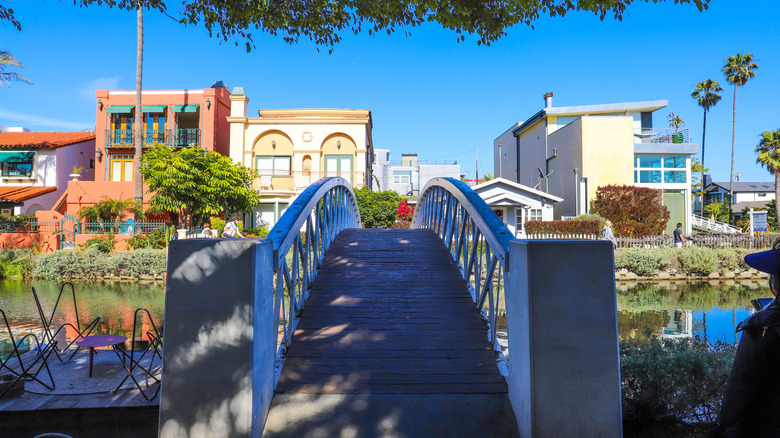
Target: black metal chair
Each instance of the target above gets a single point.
(133, 352)
(30, 364)
(49, 335)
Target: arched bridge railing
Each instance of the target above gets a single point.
(301, 238)
(476, 237)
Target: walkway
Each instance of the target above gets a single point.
(390, 344)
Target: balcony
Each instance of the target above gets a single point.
(297, 181)
(176, 138)
(647, 135)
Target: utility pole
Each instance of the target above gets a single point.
(476, 171)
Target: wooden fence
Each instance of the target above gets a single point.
(698, 239)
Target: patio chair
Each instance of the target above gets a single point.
(30, 364)
(50, 335)
(133, 352)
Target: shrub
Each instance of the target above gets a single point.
(697, 260)
(256, 232)
(92, 263)
(680, 380)
(16, 263)
(103, 243)
(634, 211)
(155, 239)
(377, 209)
(405, 212)
(218, 224)
(564, 227)
(641, 261)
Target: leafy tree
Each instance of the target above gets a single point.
(8, 60)
(718, 211)
(739, 69)
(487, 177)
(634, 211)
(768, 151)
(323, 22)
(192, 184)
(706, 92)
(771, 215)
(138, 136)
(675, 121)
(377, 209)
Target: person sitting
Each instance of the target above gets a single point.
(206, 230)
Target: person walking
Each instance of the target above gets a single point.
(679, 239)
(231, 229)
(607, 233)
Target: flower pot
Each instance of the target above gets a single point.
(75, 176)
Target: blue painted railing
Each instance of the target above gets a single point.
(476, 237)
(301, 238)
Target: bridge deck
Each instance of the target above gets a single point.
(389, 313)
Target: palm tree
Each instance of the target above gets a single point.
(675, 122)
(739, 69)
(769, 156)
(139, 123)
(8, 60)
(707, 93)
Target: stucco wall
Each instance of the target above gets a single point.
(505, 157)
(568, 142)
(532, 154)
(607, 152)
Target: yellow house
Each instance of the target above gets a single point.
(571, 151)
(291, 148)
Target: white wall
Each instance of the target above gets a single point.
(505, 157)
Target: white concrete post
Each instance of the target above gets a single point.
(564, 365)
(219, 339)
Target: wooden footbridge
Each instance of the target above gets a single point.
(328, 329)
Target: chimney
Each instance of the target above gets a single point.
(548, 99)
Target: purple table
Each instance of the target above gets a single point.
(93, 341)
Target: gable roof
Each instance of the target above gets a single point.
(19, 194)
(740, 186)
(517, 187)
(50, 140)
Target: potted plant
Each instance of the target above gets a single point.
(75, 173)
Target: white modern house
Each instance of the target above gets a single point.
(35, 167)
(292, 148)
(746, 194)
(516, 204)
(409, 176)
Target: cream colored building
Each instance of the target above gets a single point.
(291, 148)
(571, 151)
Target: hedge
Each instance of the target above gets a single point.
(563, 227)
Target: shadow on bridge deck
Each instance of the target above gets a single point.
(390, 344)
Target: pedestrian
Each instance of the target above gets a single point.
(607, 233)
(679, 239)
(206, 230)
(752, 394)
(231, 229)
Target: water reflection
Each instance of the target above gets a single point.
(114, 303)
(710, 310)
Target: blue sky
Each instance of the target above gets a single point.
(428, 93)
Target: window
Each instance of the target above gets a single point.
(761, 194)
(524, 215)
(402, 177)
(17, 169)
(270, 165)
(657, 169)
(121, 167)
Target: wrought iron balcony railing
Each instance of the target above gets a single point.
(176, 137)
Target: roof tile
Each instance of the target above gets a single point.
(43, 139)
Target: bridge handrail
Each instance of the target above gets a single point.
(459, 216)
(324, 209)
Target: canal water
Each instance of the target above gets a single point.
(114, 303)
(710, 310)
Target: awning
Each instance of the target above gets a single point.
(16, 157)
(185, 108)
(153, 108)
(120, 109)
